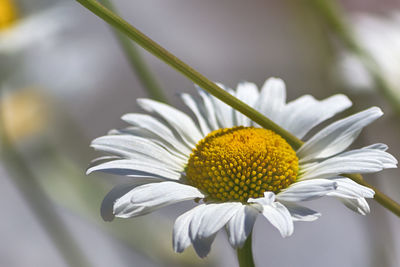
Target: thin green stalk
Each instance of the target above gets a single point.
(245, 254)
(38, 202)
(331, 13)
(209, 86)
(183, 68)
(137, 63)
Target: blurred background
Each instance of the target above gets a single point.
(65, 80)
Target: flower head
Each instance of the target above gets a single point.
(380, 37)
(234, 168)
(18, 33)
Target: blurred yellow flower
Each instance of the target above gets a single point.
(8, 14)
(24, 114)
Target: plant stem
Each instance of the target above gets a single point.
(245, 254)
(38, 202)
(330, 13)
(209, 86)
(137, 63)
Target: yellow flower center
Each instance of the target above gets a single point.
(8, 14)
(241, 162)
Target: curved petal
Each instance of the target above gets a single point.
(375, 152)
(272, 99)
(149, 197)
(304, 113)
(347, 188)
(354, 161)
(129, 146)
(181, 239)
(202, 246)
(241, 224)
(278, 215)
(358, 205)
(208, 108)
(107, 205)
(205, 224)
(212, 218)
(157, 128)
(181, 122)
(223, 112)
(337, 136)
(135, 168)
(194, 106)
(248, 93)
(307, 190)
(171, 147)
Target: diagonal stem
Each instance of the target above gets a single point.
(137, 63)
(211, 87)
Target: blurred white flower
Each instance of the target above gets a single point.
(238, 169)
(49, 50)
(380, 37)
(18, 33)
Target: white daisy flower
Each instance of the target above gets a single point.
(380, 37)
(235, 169)
(18, 33)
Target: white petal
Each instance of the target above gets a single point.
(107, 205)
(212, 218)
(193, 105)
(129, 146)
(272, 99)
(149, 197)
(347, 188)
(135, 168)
(171, 147)
(223, 112)
(208, 108)
(241, 224)
(267, 199)
(156, 127)
(358, 205)
(300, 213)
(303, 114)
(336, 137)
(248, 93)
(181, 122)
(206, 223)
(375, 152)
(35, 30)
(354, 161)
(181, 239)
(202, 246)
(307, 190)
(278, 215)
(378, 146)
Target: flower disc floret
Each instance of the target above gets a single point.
(234, 164)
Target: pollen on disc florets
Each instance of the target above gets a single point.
(234, 164)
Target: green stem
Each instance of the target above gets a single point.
(39, 203)
(137, 63)
(245, 255)
(209, 86)
(186, 70)
(332, 15)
